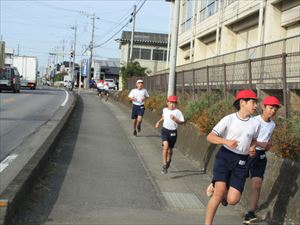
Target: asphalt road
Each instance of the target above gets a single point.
(21, 114)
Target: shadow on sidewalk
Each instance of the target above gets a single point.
(38, 204)
(185, 173)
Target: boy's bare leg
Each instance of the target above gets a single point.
(233, 196)
(256, 183)
(139, 123)
(169, 157)
(134, 124)
(165, 152)
(212, 206)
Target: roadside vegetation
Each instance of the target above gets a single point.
(208, 108)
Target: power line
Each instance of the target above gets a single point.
(97, 46)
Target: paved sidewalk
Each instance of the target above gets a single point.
(101, 174)
(184, 187)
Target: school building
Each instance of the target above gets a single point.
(210, 28)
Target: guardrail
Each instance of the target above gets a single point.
(277, 71)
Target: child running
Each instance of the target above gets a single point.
(270, 106)
(171, 117)
(138, 97)
(237, 133)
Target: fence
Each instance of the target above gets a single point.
(279, 71)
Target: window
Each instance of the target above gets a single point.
(158, 55)
(136, 53)
(145, 53)
(207, 9)
(187, 15)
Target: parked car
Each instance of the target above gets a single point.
(111, 83)
(10, 79)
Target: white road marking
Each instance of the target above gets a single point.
(5, 163)
(66, 99)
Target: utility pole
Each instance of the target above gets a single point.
(132, 33)
(173, 52)
(169, 36)
(91, 52)
(74, 52)
(63, 51)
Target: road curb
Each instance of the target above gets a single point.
(15, 192)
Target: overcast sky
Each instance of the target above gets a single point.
(40, 27)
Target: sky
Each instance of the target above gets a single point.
(39, 27)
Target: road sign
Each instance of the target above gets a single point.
(84, 67)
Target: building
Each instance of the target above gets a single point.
(210, 28)
(2, 53)
(149, 49)
(9, 54)
(104, 69)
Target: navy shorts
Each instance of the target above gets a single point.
(257, 164)
(230, 168)
(170, 136)
(137, 110)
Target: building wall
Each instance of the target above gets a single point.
(152, 65)
(239, 26)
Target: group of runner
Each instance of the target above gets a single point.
(103, 89)
(244, 139)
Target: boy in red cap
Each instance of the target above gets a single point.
(171, 117)
(270, 106)
(237, 133)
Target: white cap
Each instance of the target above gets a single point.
(139, 81)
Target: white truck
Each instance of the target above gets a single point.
(28, 69)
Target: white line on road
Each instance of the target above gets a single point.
(66, 99)
(5, 163)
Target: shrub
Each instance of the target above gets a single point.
(195, 108)
(286, 138)
(156, 102)
(213, 114)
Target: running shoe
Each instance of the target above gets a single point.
(249, 218)
(210, 190)
(164, 169)
(224, 202)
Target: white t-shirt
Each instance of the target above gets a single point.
(266, 130)
(100, 85)
(168, 122)
(140, 95)
(232, 127)
(106, 87)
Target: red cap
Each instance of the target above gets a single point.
(271, 100)
(172, 98)
(245, 94)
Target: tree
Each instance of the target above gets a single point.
(132, 69)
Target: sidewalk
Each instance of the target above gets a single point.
(184, 187)
(101, 174)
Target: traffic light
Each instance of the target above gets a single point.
(72, 54)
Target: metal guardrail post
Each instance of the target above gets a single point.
(225, 81)
(161, 84)
(250, 73)
(207, 78)
(193, 85)
(182, 86)
(284, 85)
